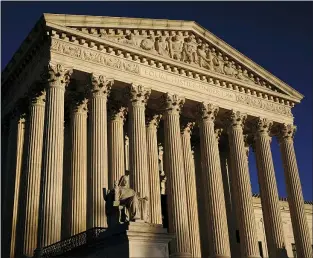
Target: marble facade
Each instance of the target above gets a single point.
(86, 98)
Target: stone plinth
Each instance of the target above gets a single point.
(134, 239)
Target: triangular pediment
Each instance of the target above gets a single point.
(184, 42)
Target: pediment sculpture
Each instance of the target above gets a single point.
(124, 204)
(182, 46)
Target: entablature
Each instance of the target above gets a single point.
(140, 50)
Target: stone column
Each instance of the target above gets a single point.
(67, 152)
(294, 191)
(203, 222)
(97, 177)
(153, 168)
(52, 160)
(241, 186)
(15, 184)
(78, 167)
(137, 140)
(174, 169)
(229, 201)
(269, 192)
(116, 144)
(191, 190)
(212, 179)
(29, 220)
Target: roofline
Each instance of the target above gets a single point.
(68, 20)
(98, 21)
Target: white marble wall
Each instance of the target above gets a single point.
(287, 227)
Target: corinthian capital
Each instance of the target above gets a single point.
(38, 98)
(172, 103)
(56, 75)
(236, 119)
(263, 126)
(153, 121)
(218, 133)
(138, 94)
(79, 105)
(286, 132)
(100, 85)
(117, 112)
(207, 111)
(187, 128)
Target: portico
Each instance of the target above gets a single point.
(157, 81)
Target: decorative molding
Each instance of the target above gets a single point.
(93, 56)
(184, 46)
(228, 91)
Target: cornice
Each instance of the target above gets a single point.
(24, 54)
(162, 24)
(100, 45)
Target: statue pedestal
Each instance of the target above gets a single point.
(134, 239)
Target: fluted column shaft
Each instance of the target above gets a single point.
(153, 168)
(33, 174)
(241, 187)
(230, 208)
(201, 200)
(52, 160)
(66, 201)
(78, 168)
(116, 145)
(269, 193)
(97, 177)
(10, 170)
(16, 184)
(174, 169)
(212, 177)
(191, 191)
(294, 191)
(137, 140)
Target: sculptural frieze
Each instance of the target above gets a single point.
(162, 46)
(181, 46)
(190, 49)
(176, 47)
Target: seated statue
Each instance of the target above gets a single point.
(123, 204)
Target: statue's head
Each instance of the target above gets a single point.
(124, 181)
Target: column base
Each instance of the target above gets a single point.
(134, 239)
(181, 255)
(220, 256)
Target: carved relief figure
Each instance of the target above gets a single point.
(240, 74)
(229, 69)
(190, 50)
(216, 62)
(176, 47)
(162, 46)
(203, 61)
(147, 44)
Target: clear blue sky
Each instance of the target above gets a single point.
(276, 35)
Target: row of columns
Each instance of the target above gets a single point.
(43, 194)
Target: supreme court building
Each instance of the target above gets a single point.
(86, 99)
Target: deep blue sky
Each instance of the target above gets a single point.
(276, 35)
